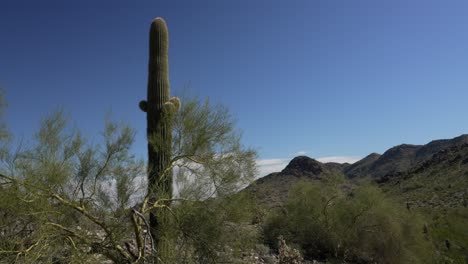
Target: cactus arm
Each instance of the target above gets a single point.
(143, 105)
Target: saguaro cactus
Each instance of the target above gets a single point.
(159, 108)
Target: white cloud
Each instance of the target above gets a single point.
(267, 166)
(269, 162)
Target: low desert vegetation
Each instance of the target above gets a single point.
(65, 200)
(360, 225)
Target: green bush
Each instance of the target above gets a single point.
(361, 225)
(215, 230)
(450, 225)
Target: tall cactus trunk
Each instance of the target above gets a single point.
(159, 110)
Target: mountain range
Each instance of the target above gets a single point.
(430, 181)
(433, 174)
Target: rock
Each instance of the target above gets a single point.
(303, 166)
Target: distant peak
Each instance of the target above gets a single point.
(303, 165)
(403, 148)
(373, 154)
(406, 146)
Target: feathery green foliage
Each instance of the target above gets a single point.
(64, 199)
(361, 226)
(199, 140)
(56, 193)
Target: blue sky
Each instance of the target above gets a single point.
(326, 78)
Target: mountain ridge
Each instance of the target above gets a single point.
(393, 166)
(428, 182)
(403, 157)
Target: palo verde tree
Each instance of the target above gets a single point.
(65, 200)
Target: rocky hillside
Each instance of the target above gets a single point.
(432, 174)
(273, 189)
(400, 159)
(437, 182)
(361, 167)
(430, 181)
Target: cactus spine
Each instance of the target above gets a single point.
(159, 108)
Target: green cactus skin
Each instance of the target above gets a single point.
(159, 108)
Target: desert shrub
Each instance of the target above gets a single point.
(66, 200)
(362, 225)
(286, 254)
(450, 225)
(215, 230)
